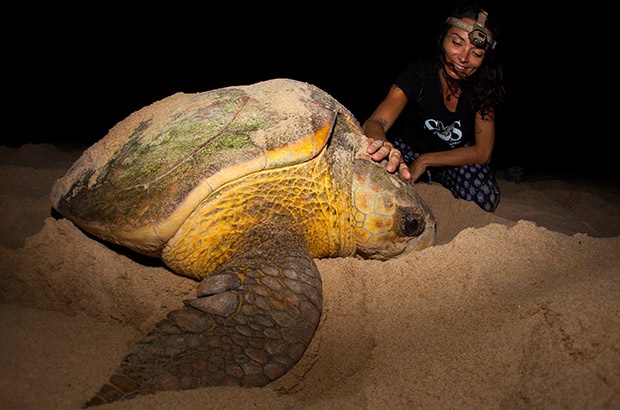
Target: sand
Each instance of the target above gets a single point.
(519, 309)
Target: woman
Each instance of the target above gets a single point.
(440, 113)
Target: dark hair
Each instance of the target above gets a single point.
(484, 89)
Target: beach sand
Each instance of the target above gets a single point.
(519, 309)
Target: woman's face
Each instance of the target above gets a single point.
(462, 57)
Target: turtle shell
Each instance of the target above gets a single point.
(241, 187)
(137, 186)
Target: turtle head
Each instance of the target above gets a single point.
(390, 217)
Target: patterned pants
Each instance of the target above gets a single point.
(472, 182)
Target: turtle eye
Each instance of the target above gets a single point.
(412, 224)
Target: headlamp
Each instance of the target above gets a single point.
(477, 36)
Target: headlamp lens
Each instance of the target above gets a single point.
(478, 38)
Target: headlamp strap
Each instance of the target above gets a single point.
(482, 20)
(471, 28)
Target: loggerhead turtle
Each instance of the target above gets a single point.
(240, 188)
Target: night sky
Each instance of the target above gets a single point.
(80, 72)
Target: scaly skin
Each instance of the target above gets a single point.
(305, 195)
(261, 298)
(263, 316)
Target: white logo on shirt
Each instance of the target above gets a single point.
(451, 134)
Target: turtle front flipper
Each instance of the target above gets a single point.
(254, 317)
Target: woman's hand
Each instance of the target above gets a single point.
(416, 170)
(379, 149)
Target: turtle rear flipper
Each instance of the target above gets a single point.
(254, 318)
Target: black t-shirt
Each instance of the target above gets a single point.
(425, 124)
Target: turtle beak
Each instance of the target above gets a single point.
(390, 217)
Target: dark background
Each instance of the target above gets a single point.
(72, 74)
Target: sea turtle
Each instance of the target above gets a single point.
(240, 188)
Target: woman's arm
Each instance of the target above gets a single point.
(377, 125)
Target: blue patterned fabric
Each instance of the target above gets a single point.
(472, 182)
